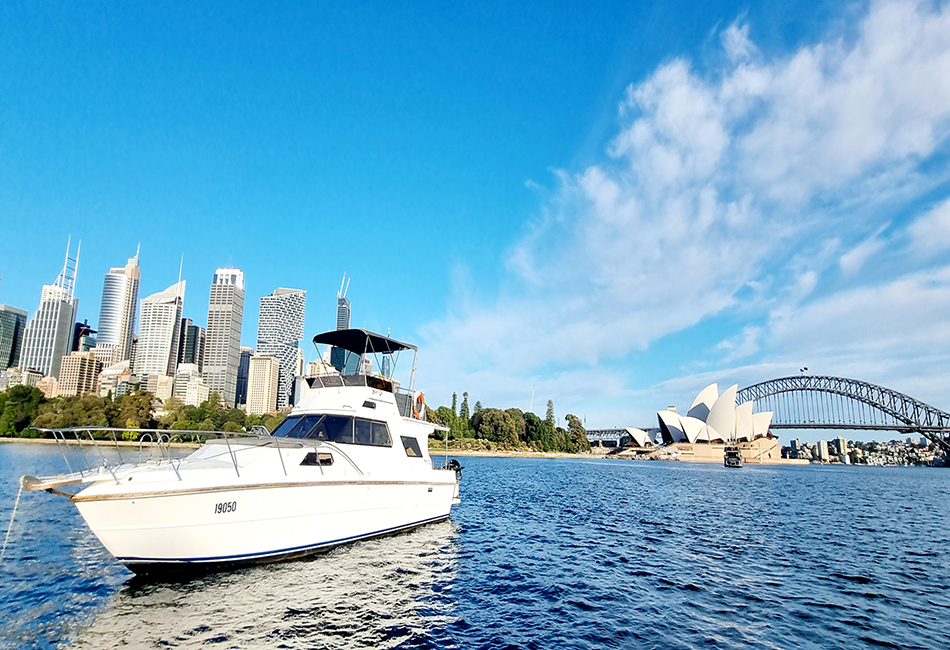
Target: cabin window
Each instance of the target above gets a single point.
(315, 458)
(336, 428)
(411, 446)
(381, 435)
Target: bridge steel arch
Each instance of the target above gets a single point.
(900, 412)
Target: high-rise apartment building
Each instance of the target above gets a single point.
(78, 374)
(12, 326)
(120, 296)
(223, 339)
(191, 347)
(49, 335)
(244, 367)
(263, 378)
(279, 332)
(157, 349)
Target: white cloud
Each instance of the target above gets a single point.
(854, 260)
(931, 232)
(714, 180)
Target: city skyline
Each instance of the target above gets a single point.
(610, 208)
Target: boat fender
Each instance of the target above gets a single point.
(419, 406)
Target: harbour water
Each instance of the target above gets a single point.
(540, 554)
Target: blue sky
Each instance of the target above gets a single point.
(614, 204)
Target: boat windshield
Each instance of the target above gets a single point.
(335, 428)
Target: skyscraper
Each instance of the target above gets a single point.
(263, 378)
(191, 348)
(49, 335)
(223, 340)
(279, 331)
(157, 349)
(338, 355)
(120, 297)
(12, 325)
(244, 369)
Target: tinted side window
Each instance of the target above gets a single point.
(411, 446)
(287, 425)
(338, 428)
(381, 435)
(364, 432)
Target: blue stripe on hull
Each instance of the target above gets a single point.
(143, 565)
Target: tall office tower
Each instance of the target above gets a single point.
(279, 331)
(244, 368)
(78, 374)
(12, 324)
(191, 347)
(120, 297)
(50, 334)
(263, 378)
(84, 337)
(157, 349)
(223, 340)
(338, 355)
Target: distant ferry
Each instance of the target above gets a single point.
(732, 456)
(351, 461)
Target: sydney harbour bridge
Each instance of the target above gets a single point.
(822, 402)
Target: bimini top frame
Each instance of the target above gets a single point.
(364, 343)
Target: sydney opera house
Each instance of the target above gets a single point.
(714, 420)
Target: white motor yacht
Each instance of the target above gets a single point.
(349, 462)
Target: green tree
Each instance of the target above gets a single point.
(517, 419)
(20, 406)
(455, 404)
(497, 426)
(536, 433)
(464, 415)
(135, 411)
(577, 435)
(549, 418)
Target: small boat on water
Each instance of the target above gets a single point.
(732, 456)
(349, 462)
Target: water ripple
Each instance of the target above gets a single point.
(541, 554)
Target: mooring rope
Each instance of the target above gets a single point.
(6, 539)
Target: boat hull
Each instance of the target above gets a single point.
(204, 530)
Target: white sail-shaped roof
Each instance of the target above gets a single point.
(671, 422)
(744, 422)
(722, 415)
(693, 427)
(639, 436)
(704, 402)
(761, 423)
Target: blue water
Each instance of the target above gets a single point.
(540, 554)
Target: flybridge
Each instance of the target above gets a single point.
(370, 346)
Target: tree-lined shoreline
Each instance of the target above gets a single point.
(481, 429)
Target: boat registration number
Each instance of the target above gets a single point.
(227, 506)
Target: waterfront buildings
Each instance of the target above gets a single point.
(79, 373)
(223, 343)
(157, 349)
(48, 337)
(279, 332)
(115, 380)
(12, 326)
(191, 346)
(190, 388)
(120, 297)
(161, 386)
(244, 367)
(263, 379)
